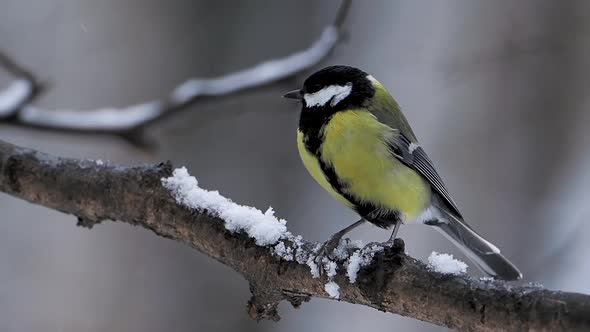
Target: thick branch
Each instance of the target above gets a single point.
(127, 121)
(394, 282)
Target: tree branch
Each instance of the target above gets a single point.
(392, 282)
(21, 92)
(128, 121)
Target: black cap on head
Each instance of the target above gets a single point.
(362, 87)
(333, 75)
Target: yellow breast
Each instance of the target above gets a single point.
(355, 146)
(313, 167)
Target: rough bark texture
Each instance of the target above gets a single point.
(394, 282)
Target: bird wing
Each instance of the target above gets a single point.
(404, 146)
(413, 156)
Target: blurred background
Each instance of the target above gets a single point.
(496, 91)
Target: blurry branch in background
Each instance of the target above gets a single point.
(391, 282)
(129, 122)
(20, 92)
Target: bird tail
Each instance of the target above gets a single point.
(484, 254)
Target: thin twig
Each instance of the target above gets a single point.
(20, 92)
(129, 121)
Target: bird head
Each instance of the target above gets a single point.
(334, 88)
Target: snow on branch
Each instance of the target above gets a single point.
(18, 93)
(275, 262)
(14, 95)
(264, 228)
(15, 99)
(446, 264)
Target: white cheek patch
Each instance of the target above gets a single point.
(336, 93)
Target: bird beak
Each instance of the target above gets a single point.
(295, 94)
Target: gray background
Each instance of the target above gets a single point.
(495, 90)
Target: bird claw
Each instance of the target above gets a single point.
(386, 244)
(326, 252)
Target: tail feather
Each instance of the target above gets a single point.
(486, 256)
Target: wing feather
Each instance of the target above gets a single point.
(404, 146)
(412, 155)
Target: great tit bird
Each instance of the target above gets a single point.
(356, 143)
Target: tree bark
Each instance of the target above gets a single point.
(393, 282)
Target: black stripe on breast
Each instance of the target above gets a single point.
(380, 217)
(311, 125)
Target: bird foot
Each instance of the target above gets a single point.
(378, 244)
(387, 244)
(326, 252)
(396, 244)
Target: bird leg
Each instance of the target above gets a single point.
(396, 228)
(389, 243)
(328, 247)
